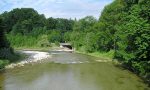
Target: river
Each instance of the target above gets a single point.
(70, 71)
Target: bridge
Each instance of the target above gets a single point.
(66, 45)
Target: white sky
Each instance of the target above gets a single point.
(58, 8)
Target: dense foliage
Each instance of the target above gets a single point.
(124, 26)
(5, 49)
(3, 40)
(130, 27)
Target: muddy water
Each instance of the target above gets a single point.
(70, 71)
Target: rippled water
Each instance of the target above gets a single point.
(70, 71)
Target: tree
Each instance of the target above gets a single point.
(28, 19)
(54, 36)
(3, 42)
(84, 23)
(51, 23)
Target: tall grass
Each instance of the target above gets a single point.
(22, 41)
(100, 54)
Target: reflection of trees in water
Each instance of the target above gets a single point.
(105, 76)
(2, 78)
(30, 73)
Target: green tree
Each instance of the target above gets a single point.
(3, 41)
(54, 36)
(84, 23)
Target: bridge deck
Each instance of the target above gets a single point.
(63, 44)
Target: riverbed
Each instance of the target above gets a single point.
(70, 71)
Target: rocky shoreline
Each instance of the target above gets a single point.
(34, 57)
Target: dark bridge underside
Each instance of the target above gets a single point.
(67, 46)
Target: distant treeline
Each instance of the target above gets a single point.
(124, 26)
(25, 27)
(26, 20)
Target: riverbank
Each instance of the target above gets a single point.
(45, 49)
(14, 57)
(39, 52)
(37, 48)
(34, 57)
(3, 63)
(103, 55)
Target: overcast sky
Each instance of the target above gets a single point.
(58, 8)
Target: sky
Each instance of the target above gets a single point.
(59, 8)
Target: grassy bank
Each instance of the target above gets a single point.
(17, 55)
(104, 55)
(3, 63)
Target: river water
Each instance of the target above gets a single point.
(70, 71)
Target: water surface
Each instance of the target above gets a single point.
(70, 71)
